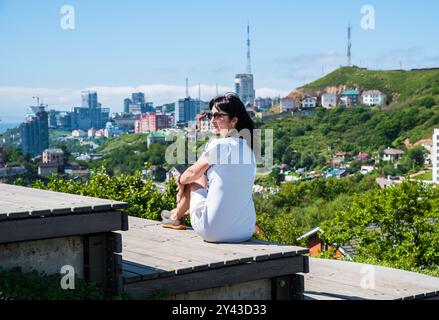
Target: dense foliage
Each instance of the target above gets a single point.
(398, 225)
(143, 197)
(16, 285)
(307, 142)
(300, 206)
(128, 153)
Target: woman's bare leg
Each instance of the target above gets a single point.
(184, 204)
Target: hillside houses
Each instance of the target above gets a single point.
(328, 100)
(392, 155)
(373, 98)
(349, 98)
(309, 102)
(287, 105)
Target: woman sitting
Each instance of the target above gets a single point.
(217, 190)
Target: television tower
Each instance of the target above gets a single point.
(249, 66)
(349, 46)
(187, 88)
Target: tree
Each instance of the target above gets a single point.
(416, 156)
(276, 176)
(144, 199)
(397, 225)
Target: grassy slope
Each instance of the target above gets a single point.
(409, 87)
(406, 83)
(120, 143)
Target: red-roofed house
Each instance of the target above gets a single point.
(362, 156)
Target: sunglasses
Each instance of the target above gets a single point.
(216, 115)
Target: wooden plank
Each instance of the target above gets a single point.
(186, 244)
(143, 272)
(342, 280)
(37, 200)
(18, 215)
(138, 258)
(59, 226)
(216, 277)
(11, 210)
(97, 256)
(195, 249)
(243, 251)
(101, 207)
(162, 260)
(289, 287)
(258, 249)
(172, 253)
(44, 199)
(129, 277)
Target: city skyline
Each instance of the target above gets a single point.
(163, 43)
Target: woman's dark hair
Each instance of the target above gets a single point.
(233, 106)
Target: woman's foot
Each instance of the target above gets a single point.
(166, 214)
(174, 224)
(170, 220)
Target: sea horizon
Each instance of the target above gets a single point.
(8, 125)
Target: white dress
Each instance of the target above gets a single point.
(225, 212)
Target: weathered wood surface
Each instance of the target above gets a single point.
(18, 202)
(340, 280)
(152, 252)
(217, 277)
(60, 226)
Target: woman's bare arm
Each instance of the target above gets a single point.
(194, 172)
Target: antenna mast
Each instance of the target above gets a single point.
(349, 45)
(249, 66)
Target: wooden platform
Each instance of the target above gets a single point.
(162, 260)
(340, 280)
(18, 202)
(44, 230)
(33, 214)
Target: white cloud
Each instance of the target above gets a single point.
(269, 92)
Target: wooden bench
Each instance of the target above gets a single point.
(172, 264)
(44, 231)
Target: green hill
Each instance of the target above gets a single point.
(401, 86)
(413, 113)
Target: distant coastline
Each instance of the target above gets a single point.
(6, 126)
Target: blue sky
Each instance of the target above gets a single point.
(122, 46)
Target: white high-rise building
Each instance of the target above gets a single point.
(244, 83)
(244, 88)
(435, 156)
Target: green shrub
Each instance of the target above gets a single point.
(16, 285)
